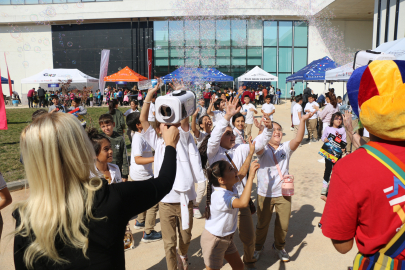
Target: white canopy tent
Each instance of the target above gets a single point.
(257, 74)
(54, 78)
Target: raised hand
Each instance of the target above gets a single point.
(178, 85)
(232, 107)
(196, 112)
(268, 124)
(254, 166)
(154, 89)
(251, 146)
(347, 121)
(307, 116)
(170, 135)
(240, 90)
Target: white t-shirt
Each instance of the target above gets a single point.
(268, 178)
(3, 183)
(297, 109)
(239, 135)
(260, 93)
(249, 114)
(183, 163)
(268, 108)
(114, 172)
(208, 86)
(130, 111)
(201, 138)
(218, 115)
(140, 148)
(224, 217)
(311, 107)
(151, 117)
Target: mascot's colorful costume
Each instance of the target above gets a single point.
(377, 95)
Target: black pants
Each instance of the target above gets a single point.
(140, 102)
(328, 169)
(207, 102)
(271, 99)
(42, 102)
(30, 101)
(120, 99)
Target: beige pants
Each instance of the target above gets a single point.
(149, 217)
(247, 235)
(248, 130)
(312, 131)
(350, 147)
(170, 219)
(265, 207)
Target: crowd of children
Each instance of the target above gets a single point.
(214, 152)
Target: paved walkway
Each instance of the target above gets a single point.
(308, 248)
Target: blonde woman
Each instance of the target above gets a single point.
(72, 221)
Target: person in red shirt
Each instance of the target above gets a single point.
(30, 97)
(264, 92)
(207, 97)
(250, 93)
(367, 190)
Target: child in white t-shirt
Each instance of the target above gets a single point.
(238, 121)
(222, 214)
(219, 106)
(312, 106)
(204, 130)
(176, 208)
(248, 109)
(140, 170)
(104, 153)
(297, 113)
(268, 109)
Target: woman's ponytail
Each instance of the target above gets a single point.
(203, 151)
(209, 192)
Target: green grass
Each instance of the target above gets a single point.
(18, 119)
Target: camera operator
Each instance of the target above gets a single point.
(70, 220)
(56, 107)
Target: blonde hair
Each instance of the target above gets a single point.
(58, 159)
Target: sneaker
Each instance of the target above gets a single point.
(282, 254)
(322, 160)
(291, 128)
(256, 255)
(196, 212)
(152, 237)
(139, 225)
(314, 140)
(324, 189)
(182, 263)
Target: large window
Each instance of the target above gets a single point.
(232, 46)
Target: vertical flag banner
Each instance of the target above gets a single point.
(105, 57)
(3, 116)
(9, 80)
(150, 53)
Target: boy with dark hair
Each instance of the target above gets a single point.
(120, 156)
(56, 107)
(248, 109)
(268, 109)
(140, 170)
(297, 111)
(312, 106)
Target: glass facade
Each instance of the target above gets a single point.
(232, 46)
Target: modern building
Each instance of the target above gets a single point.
(279, 37)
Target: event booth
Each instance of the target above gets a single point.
(124, 76)
(53, 79)
(256, 75)
(314, 72)
(5, 80)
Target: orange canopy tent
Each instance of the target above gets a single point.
(125, 75)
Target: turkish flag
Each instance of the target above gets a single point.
(3, 116)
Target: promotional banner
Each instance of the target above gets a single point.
(9, 80)
(105, 57)
(150, 53)
(3, 116)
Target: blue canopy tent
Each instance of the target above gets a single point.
(314, 72)
(5, 81)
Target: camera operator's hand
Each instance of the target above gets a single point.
(170, 135)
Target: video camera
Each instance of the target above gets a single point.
(176, 106)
